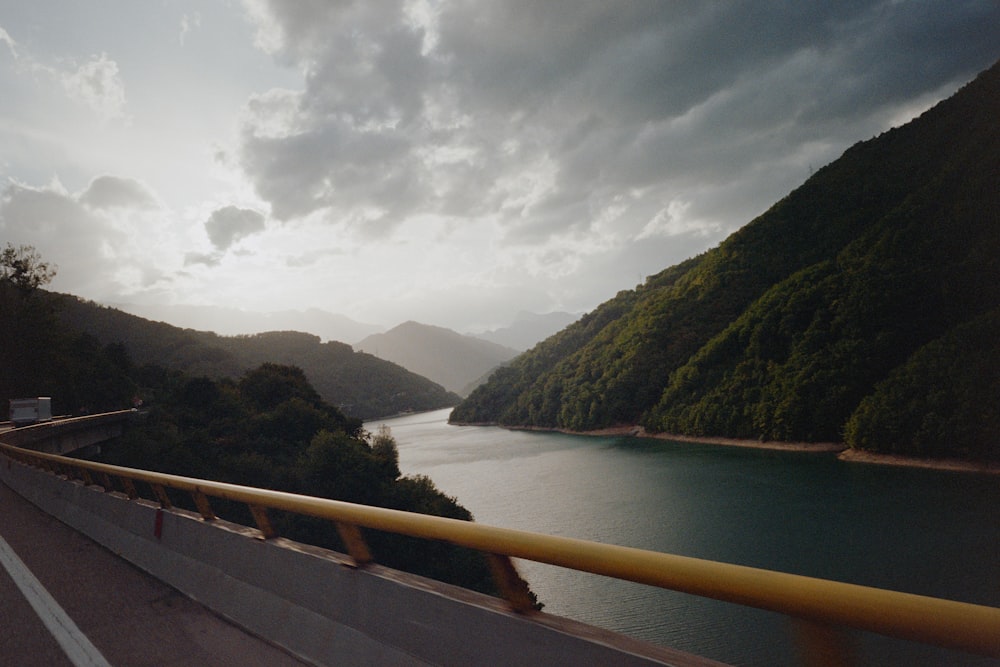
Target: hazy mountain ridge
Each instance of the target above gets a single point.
(788, 325)
(237, 322)
(447, 357)
(528, 329)
(360, 384)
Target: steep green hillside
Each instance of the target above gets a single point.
(359, 384)
(784, 328)
(941, 402)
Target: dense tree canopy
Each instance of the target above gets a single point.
(941, 402)
(270, 429)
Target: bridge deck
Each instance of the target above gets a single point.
(130, 617)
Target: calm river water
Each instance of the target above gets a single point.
(920, 531)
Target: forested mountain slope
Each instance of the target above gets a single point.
(357, 383)
(784, 329)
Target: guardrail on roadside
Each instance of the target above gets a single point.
(820, 607)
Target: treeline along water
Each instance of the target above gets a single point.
(920, 531)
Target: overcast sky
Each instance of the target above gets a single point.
(448, 162)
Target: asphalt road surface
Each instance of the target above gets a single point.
(106, 611)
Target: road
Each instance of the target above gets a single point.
(129, 618)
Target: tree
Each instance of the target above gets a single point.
(22, 267)
(28, 330)
(271, 384)
(385, 451)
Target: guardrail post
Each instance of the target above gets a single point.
(355, 542)
(513, 588)
(161, 495)
(129, 487)
(823, 645)
(204, 507)
(263, 521)
(106, 482)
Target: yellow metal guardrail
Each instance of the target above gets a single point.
(822, 607)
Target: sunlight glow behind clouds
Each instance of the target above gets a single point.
(449, 162)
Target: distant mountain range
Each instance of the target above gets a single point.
(410, 367)
(449, 358)
(457, 362)
(524, 332)
(359, 384)
(863, 307)
(235, 322)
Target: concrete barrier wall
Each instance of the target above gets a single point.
(313, 602)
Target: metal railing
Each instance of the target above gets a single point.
(821, 607)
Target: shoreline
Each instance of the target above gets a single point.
(953, 465)
(754, 444)
(844, 453)
(626, 430)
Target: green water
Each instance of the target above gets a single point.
(920, 531)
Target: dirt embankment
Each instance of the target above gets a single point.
(846, 453)
(639, 432)
(957, 465)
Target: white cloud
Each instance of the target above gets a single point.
(189, 22)
(8, 40)
(112, 191)
(95, 83)
(98, 85)
(108, 240)
(668, 221)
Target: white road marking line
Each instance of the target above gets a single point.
(73, 642)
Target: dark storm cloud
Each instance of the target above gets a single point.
(633, 105)
(331, 163)
(228, 225)
(355, 130)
